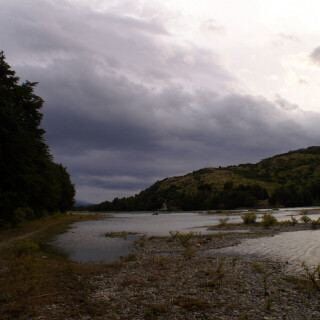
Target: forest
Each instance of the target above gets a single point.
(286, 180)
(31, 184)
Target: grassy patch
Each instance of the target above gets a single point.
(34, 276)
(121, 234)
(191, 304)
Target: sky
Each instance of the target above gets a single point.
(136, 91)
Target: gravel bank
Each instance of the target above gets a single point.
(164, 280)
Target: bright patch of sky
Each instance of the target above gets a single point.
(265, 45)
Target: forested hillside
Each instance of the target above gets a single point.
(291, 179)
(31, 184)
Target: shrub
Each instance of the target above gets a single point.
(188, 253)
(154, 310)
(304, 218)
(312, 275)
(315, 223)
(223, 221)
(268, 220)
(184, 238)
(294, 221)
(249, 217)
(25, 247)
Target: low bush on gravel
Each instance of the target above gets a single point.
(249, 218)
(268, 220)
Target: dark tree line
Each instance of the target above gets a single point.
(205, 198)
(31, 184)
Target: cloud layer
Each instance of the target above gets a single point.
(126, 104)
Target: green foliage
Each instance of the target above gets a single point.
(185, 238)
(311, 274)
(294, 221)
(291, 179)
(304, 218)
(29, 178)
(249, 217)
(315, 223)
(258, 267)
(154, 310)
(25, 247)
(188, 253)
(268, 220)
(223, 221)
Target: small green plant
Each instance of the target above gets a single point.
(219, 271)
(268, 303)
(188, 253)
(311, 274)
(121, 234)
(258, 267)
(315, 223)
(185, 238)
(223, 221)
(304, 218)
(141, 241)
(21, 214)
(233, 261)
(191, 304)
(294, 221)
(249, 217)
(268, 220)
(154, 310)
(25, 246)
(174, 234)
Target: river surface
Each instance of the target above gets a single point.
(86, 241)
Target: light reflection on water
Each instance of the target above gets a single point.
(291, 247)
(86, 241)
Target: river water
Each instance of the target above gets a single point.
(86, 241)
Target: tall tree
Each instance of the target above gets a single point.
(28, 177)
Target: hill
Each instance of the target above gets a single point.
(290, 179)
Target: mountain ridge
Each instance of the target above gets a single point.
(288, 179)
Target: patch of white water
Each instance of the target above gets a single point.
(290, 247)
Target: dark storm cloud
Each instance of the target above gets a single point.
(315, 56)
(126, 106)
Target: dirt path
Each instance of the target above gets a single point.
(9, 242)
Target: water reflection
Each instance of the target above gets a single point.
(86, 241)
(291, 247)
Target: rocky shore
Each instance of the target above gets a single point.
(168, 279)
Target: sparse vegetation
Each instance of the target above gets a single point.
(268, 220)
(190, 303)
(304, 218)
(312, 275)
(249, 217)
(188, 253)
(121, 234)
(154, 310)
(223, 221)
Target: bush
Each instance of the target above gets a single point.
(268, 220)
(315, 223)
(223, 221)
(294, 221)
(184, 238)
(25, 247)
(304, 218)
(21, 214)
(188, 253)
(249, 218)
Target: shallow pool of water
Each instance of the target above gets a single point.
(86, 241)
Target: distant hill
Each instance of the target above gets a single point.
(79, 203)
(290, 179)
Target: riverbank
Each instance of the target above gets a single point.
(166, 278)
